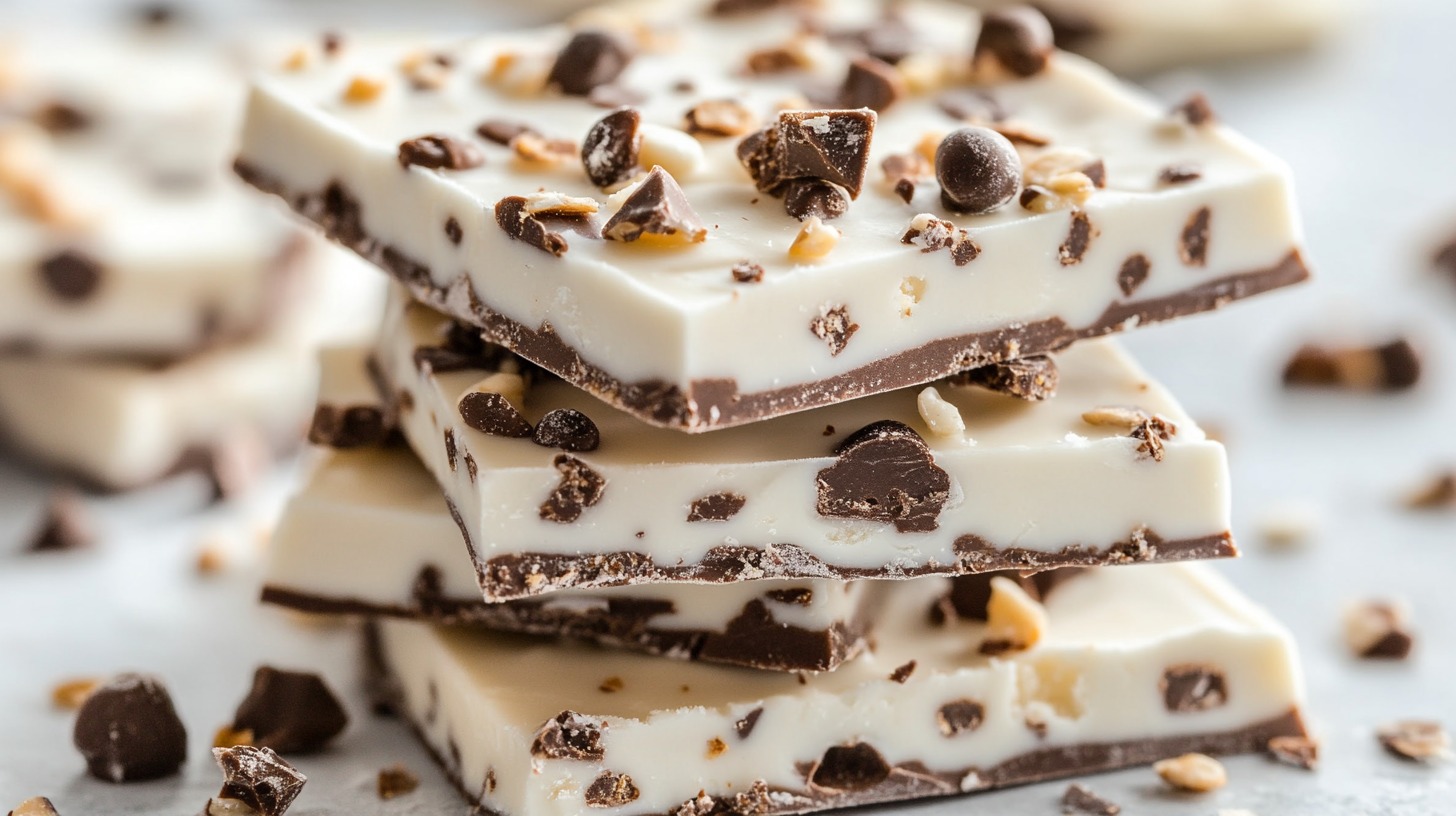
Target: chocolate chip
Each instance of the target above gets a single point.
(850, 767)
(66, 525)
(1391, 366)
(747, 272)
(290, 712)
(1193, 687)
(512, 218)
(798, 596)
(61, 118)
(1032, 378)
(331, 42)
(493, 414)
(609, 151)
(439, 152)
(350, 426)
(257, 778)
(979, 170)
(1079, 800)
(1415, 739)
(811, 197)
(885, 472)
(396, 780)
(1378, 630)
(591, 58)
(1301, 752)
(1079, 238)
(970, 106)
(959, 716)
(745, 724)
(580, 487)
(871, 83)
(568, 736)
(1193, 243)
(1133, 273)
(128, 730)
(831, 145)
(610, 790)
(1179, 174)
(719, 117)
(716, 507)
(1195, 110)
(567, 429)
(453, 230)
(835, 328)
(502, 131)
(70, 275)
(657, 207)
(902, 673)
(905, 189)
(1019, 38)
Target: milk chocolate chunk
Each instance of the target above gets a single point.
(1439, 493)
(290, 712)
(349, 426)
(1029, 378)
(1378, 630)
(70, 275)
(610, 149)
(813, 197)
(1417, 740)
(611, 790)
(396, 780)
(835, 328)
(1193, 687)
(129, 731)
(979, 170)
(1390, 366)
(493, 414)
(1193, 245)
(1080, 801)
(747, 272)
(717, 507)
(569, 430)
(580, 487)
(657, 207)
(1299, 751)
(1079, 238)
(1133, 273)
(720, 117)
(1195, 110)
(502, 131)
(830, 145)
(871, 83)
(905, 189)
(850, 768)
(1019, 38)
(511, 217)
(568, 736)
(257, 778)
(591, 58)
(885, 473)
(66, 525)
(35, 806)
(439, 152)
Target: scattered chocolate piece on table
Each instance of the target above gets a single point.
(128, 730)
(257, 779)
(396, 780)
(1391, 366)
(290, 712)
(1418, 740)
(1438, 494)
(1080, 801)
(1197, 773)
(66, 525)
(1379, 629)
(1299, 751)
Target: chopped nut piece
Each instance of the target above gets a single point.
(560, 205)
(1198, 773)
(210, 559)
(814, 241)
(70, 694)
(363, 89)
(1392, 366)
(1054, 163)
(1438, 494)
(35, 806)
(533, 147)
(932, 234)
(1301, 752)
(834, 327)
(720, 117)
(1418, 740)
(798, 54)
(1153, 432)
(297, 59)
(1080, 800)
(716, 748)
(396, 780)
(942, 417)
(228, 737)
(671, 149)
(518, 74)
(1015, 622)
(1378, 629)
(1115, 416)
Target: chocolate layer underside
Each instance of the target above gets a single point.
(717, 403)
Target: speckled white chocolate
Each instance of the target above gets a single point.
(1097, 679)
(675, 316)
(367, 522)
(1026, 476)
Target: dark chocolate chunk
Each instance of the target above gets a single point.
(567, 429)
(1180, 174)
(979, 170)
(831, 145)
(70, 275)
(798, 596)
(1193, 243)
(511, 216)
(352, 426)
(258, 778)
(580, 487)
(835, 328)
(1193, 687)
(610, 790)
(502, 131)
(1019, 38)
(1030, 378)
(745, 724)
(609, 151)
(493, 414)
(871, 83)
(1438, 494)
(1133, 273)
(850, 768)
(902, 673)
(1195, 110)
(1152, 431)
(1415, 739)
(885, 473)
(591, 58)
(66, 525)
(61, 118)
(959, 716)
(747, 272)
(905, 189)
(290, 712)
(716, 507)
(439, 152)
(396, 780)
(128, 730)
(1079, 238)
(889, 39)
(806, 197)
(453, 230)
(657, 207)
(1083, 802)
(1391, 366)
(1301, 752)
(568, 736)
(971, 106)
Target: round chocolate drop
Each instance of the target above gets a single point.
(978, 169)
(128, 730)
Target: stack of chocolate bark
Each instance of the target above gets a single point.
(670, 283)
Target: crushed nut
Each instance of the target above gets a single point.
(924, 72)
(720, 117)
(912, 166)
(1199, 773)
(297, 59)
(532, 147)
(1015, 622)
(912, 289)
(519, 74)
(70, 694)
(800, 53)
(1419, 740)
(716, 748)
(943, 418)
(669, 148)
(425, 71)
(814, 241)
(611, 684)
(35, 806)
(227, 737)
(1379, 629)
(396, 780)
(363, 89)
(560, 205)
(1115, 416)
(932, 234)
(210, 559)
(929, 145)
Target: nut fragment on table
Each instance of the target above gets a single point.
(1198, 773)
(1015, 622)
(1418, 740)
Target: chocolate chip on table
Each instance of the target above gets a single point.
(1378, 629)
(255, 778)
(129, 731)
(567, 429)
(511, 216)
(1033, 378)
(871, 83)
(70, 275)
(1300, 752)
(1390, 366)
(66, 525)
(591, 58)
(1418, 740)
(884, 472)
(979, 170)
(396, 780)
(493, 414)
(656, 207)
(439, 152)
(1083, 802)
(290, 712)
(716, 507)
(830, 145)
(1018, 38)
(611, 147)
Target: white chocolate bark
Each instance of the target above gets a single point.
(1030, 484)
(367, 524)
(614, 316)
(1137, 664)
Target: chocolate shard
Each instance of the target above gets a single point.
(1193, 243)
(979, 170)
(128, 730)
(569, 736)
(592, 57)
(1391, 366)
(657, 207)
(1301, 752)
(1417, 740)
(871, 83)
(1032, 378)
(580, 487)
(611, 790)
(830, 145)
(290, 712)
(1193, 687)
(834, 327)
(569, 430)
(744, 726)
(493, 414)
(1019, 38)
(70, 275)
(1079, 239)
(959, 717)
(350, 426)
(850, 768)
(257, 778)
(439, 152)
(609, 151)
(1083, 802)
(396, 780)
(1133, 273)
(812, 197)
(511, 217)
(66, 525)
(716, 507)
(885, 473)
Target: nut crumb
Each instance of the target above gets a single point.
(814, 241)
(363, 89)
(70, 694)
(1198, 773)
(532, 147)
(716, 748)
(227, 737)
(1015, 622)
(1418, 740)
(559, 205)
(297, 59)
(210, 559)
(942, 417)
(720, 117)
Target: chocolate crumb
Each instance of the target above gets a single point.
(1301, 752)
(834, 327)
(933, 234)
(396, 780)
(1018, 38)
(1378, 630)
(716, 507)
(905, 189)
(493, 414)
(453, 230)
(1195, 110)
(1193, 687)
(1439, 494)
(747, 272)
(902, 673)
(502, 131)
(1032, 378)
(1391, 366)
(580, 487)
(1083, 802)
(1153, 431)
(610, 790)
(657, 207)
(885, 472)
(850, 767)
(1417, 740)
(591, 58)
(290, 712)
(439, 152)
(512, 218)
(568, 736)
(1193, 243)
(128, 730)
(257, 778)
(979, 170)
(61, 118)
(1180, 174)
(1079, 238)
(1133, 273)
(871, 83)
(66, 525)
(567, 429)
(959, 716)
(609, 151)
(743, 727)
(70, 275)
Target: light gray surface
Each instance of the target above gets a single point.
(1366, 124)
